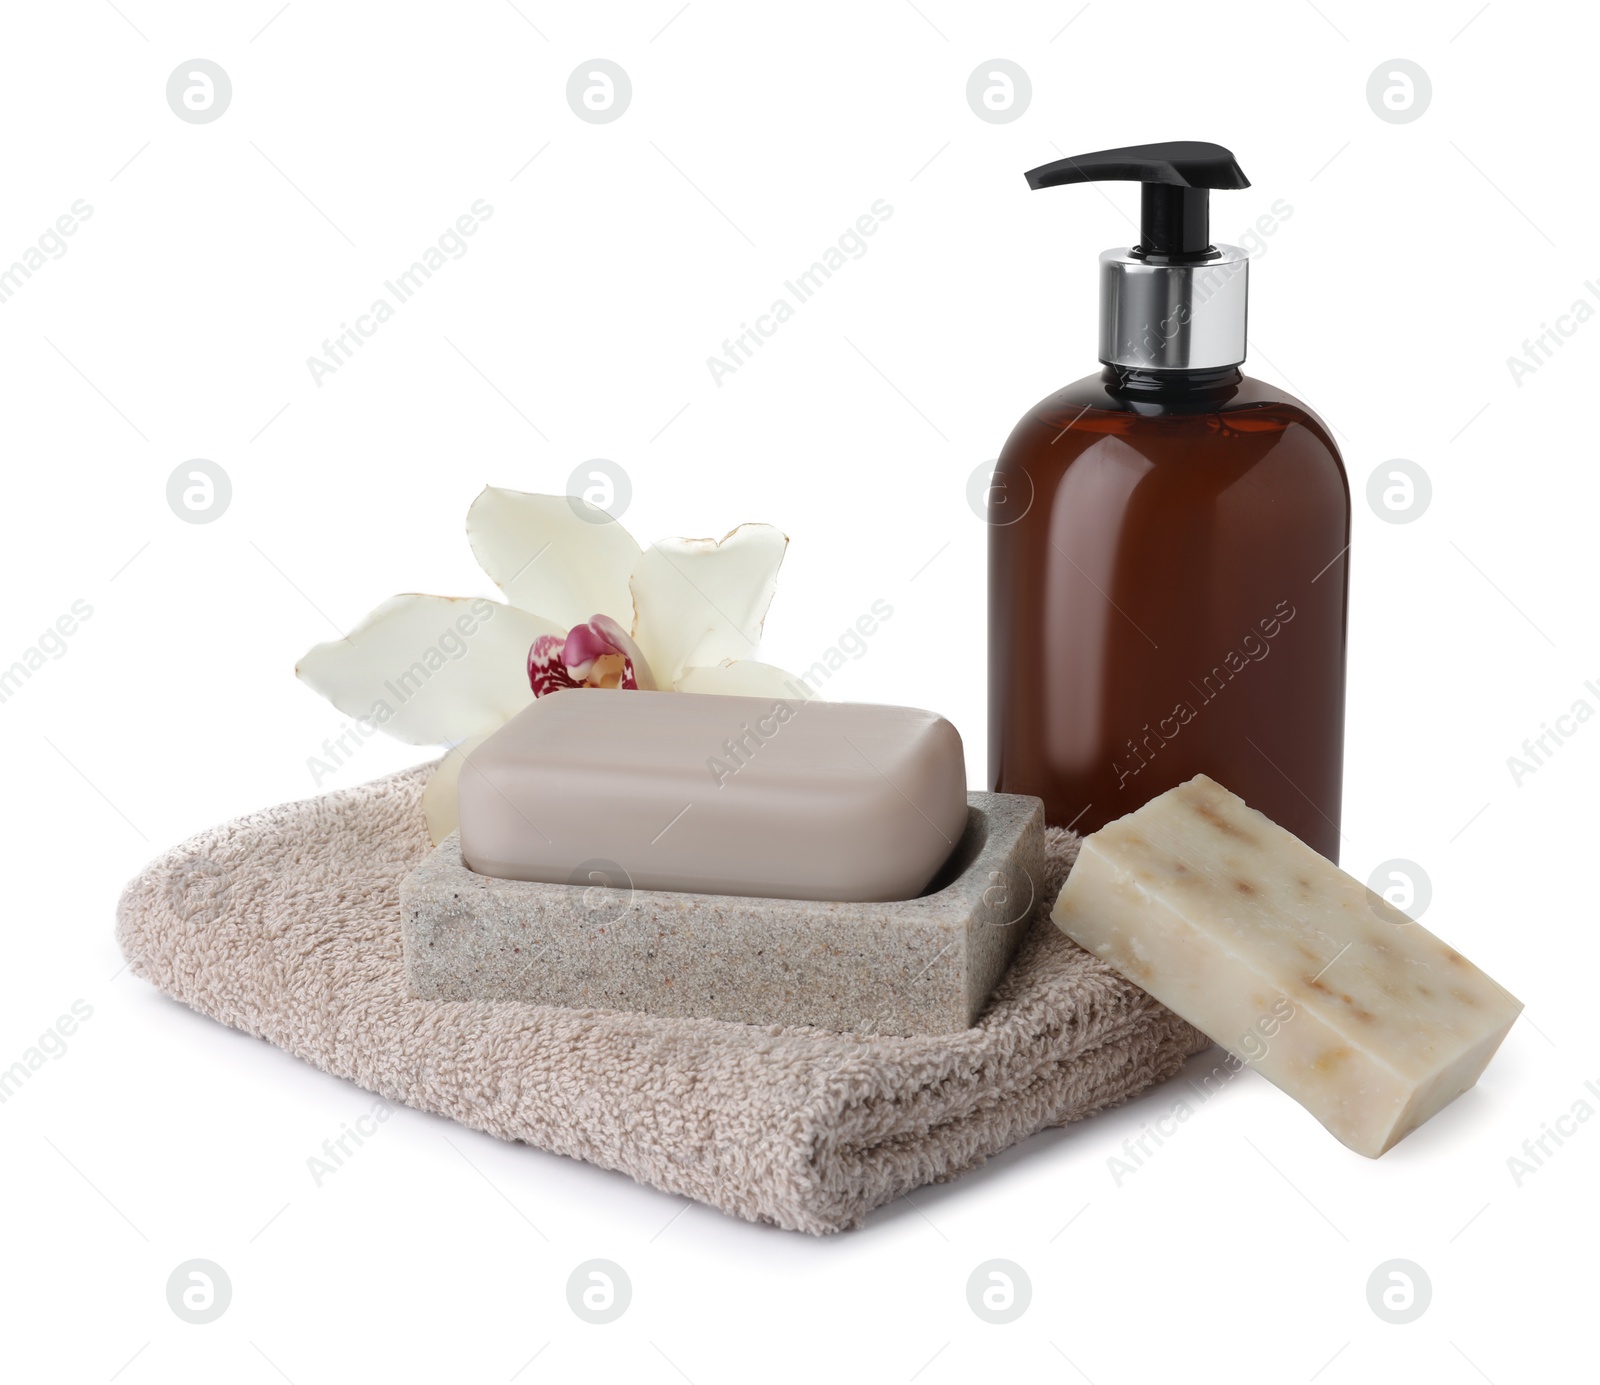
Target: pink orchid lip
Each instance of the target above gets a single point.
(547, 671)
(585, 644)
(574, 660)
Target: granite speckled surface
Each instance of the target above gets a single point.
(918, 966)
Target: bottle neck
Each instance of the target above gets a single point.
(1171, 391)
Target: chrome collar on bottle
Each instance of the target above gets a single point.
(1173, 317)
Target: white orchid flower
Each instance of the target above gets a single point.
(587, 608)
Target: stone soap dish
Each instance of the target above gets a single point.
(918, 966)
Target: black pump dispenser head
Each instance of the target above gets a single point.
(1175, 220)
(1175, 301)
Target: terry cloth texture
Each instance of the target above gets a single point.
(286, 924)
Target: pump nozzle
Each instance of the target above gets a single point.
(1175, 301)
(1175, 200)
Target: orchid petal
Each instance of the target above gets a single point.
(430, 669)
(555, 555)
(699, 602)
(439, 797)
(744, 678)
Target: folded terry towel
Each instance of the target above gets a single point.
(286, 924)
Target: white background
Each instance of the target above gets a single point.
(1417, 259)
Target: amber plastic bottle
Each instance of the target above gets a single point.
(1168, 573)
(1169, 600)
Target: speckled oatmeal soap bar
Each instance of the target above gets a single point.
(1362, 1016)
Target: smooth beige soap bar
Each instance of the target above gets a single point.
(779, 798)
(1362, 1016)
